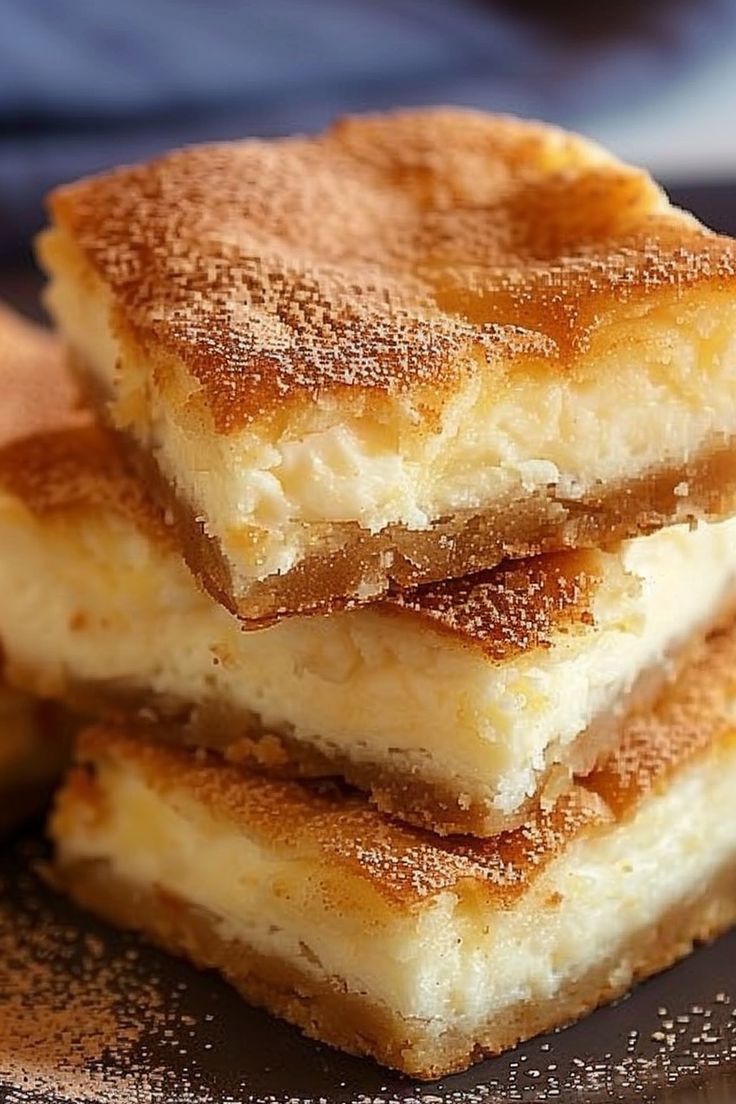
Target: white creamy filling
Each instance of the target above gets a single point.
(97, 603)
(455, 960)
(657, 388)
(683, 577)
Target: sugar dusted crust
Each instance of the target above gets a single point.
(695, 715)
(516, 607)
(76, 475)
(674, 687)
(326, 1011)
(79, 472)
(38, 392)
(72, 478)
(678, 693)
(333, 826)
(53, 457)
(580, 869)
(392, 254)
(70, 463)
(74, 464)
(243, 742)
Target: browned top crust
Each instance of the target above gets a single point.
(516, 607)
(53, 457)
(405, 865)
(503, 612)
(77, 471)
(38, 392)
(697, 713)
(391, 253)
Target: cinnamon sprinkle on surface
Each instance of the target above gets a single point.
(393, 253)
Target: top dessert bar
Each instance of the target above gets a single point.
(400, 351)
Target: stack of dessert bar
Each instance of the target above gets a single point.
(393, 558)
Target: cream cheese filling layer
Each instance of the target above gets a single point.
(453, 960)
(657, 387)
(93, 601)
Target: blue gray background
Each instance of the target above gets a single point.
(89, 83)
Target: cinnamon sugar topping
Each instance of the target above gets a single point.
(392, 253)
(504, 611)
(78, 469)
(514, 608)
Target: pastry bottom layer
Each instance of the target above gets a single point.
(327, 1010)
(242, 739)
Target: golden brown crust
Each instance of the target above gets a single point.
(697, 714)
(333, 825)
(398, 791)
(328, 1011)
(436, 806)
(636, 737)
(392, 253)
(67, 462)
(517, 607)
(500, 612)
(52, 455)
(408, 864)
(81, 472)
(38, 392)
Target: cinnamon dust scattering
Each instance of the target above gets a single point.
(81, 1017)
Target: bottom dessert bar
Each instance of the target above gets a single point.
(425, 952)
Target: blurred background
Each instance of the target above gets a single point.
(85, 84)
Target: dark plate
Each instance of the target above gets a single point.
(90, 1014)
